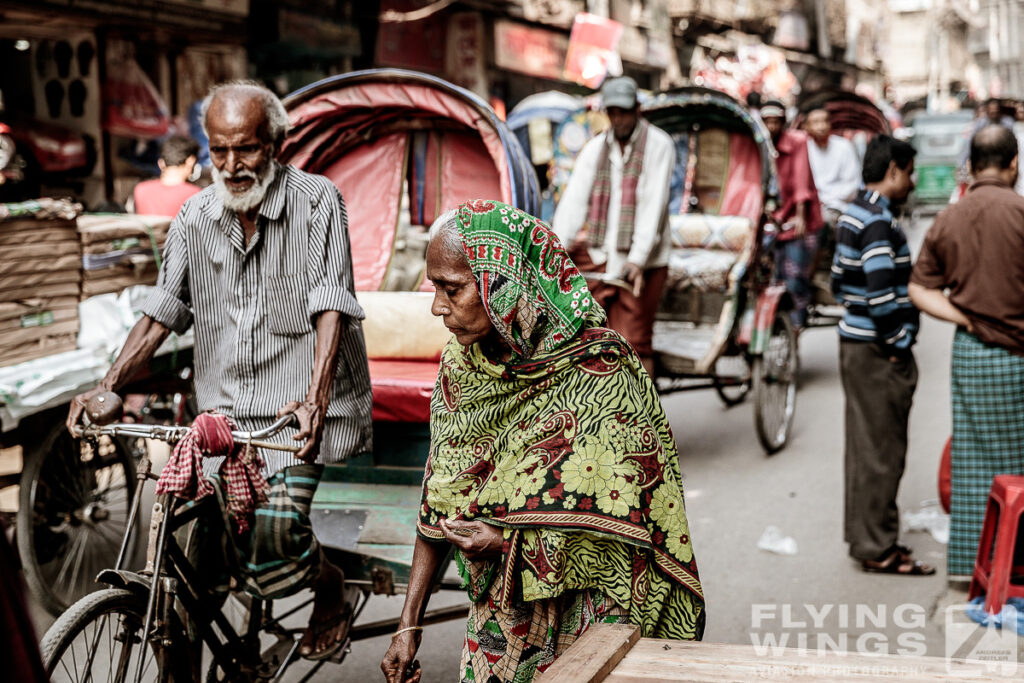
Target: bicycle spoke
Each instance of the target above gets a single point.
(67, 560)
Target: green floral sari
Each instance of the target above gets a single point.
(566, 446)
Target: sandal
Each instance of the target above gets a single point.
(898, 562)
(318, 628)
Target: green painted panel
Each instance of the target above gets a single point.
(935, 182)
(341, 494)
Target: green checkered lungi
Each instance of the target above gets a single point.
(987, 387)
(279, 555)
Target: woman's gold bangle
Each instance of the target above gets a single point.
(403, 630)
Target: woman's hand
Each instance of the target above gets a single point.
(399, 659)
(477, 540)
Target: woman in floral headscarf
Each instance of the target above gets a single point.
(552, 470)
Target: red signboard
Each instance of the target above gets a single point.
(533, 51)
(592, 47)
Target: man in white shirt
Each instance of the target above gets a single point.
(834, 166)
(613, 215)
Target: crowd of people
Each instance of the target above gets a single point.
(553, 472)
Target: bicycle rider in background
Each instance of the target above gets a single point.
(259, 265)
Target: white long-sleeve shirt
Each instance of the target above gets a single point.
(651, 240)
(836, 171)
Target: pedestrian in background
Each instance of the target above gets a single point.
(164, 196)
(835, 166)
(974, 250)
(799, 216)
(613, 215)
(870, 274)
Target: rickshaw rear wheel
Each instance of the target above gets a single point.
(732, 387)
(774, 385)
(72, 514)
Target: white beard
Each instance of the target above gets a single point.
(249, 199)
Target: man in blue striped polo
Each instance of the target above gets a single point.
(870, 274)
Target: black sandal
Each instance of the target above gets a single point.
(318, 628)
(898, 562)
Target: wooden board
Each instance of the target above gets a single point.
(591, 658)
(652, 660)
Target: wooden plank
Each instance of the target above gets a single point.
(591, 658)
(661, 661)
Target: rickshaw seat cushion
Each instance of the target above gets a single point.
(402, 389)
(706, 270)
(706, 231)
(400, 326)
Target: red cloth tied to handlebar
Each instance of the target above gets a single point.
(210, 436)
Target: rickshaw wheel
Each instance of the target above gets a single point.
(72, 514)
(774, 374)
(731, 387)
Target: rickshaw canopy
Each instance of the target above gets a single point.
(751, 160)
(397, 141)
(848, 112)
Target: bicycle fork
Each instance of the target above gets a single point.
(161, 590)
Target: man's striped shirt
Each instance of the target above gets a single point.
(253, 308)
(870, 272)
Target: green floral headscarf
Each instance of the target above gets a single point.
(534, 295)
(566, 446)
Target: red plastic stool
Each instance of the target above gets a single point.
(993, 567)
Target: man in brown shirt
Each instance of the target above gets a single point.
(971, 273)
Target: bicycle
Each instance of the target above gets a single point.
(139, 629)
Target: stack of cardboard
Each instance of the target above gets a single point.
(40, 280)
(119, 250)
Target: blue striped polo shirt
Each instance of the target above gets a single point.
(870, 273)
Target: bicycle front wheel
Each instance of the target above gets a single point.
(100, 639)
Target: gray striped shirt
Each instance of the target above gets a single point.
(252, 308)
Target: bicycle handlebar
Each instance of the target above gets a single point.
(171, 433)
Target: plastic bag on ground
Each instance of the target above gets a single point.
(773, 541)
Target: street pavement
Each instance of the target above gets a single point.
(816, 598)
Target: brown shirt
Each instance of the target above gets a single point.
(975, 248)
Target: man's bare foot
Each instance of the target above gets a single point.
(329, 623)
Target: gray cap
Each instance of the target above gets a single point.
(619, 92)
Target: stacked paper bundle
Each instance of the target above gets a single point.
(40, 280)
(119, 250)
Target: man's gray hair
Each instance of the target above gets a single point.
(446, 229)
(277, 116)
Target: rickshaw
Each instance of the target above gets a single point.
(535, 121)
(857, 119)
(722, 323)
(402, 147)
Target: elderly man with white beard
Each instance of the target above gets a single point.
(259, 266)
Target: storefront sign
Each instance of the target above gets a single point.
(528, 50)
(592, 49)
(552, 12)
(238, 8)
(418, 45)
(307, 30)
(464, 57)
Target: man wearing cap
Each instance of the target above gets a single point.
(799, 214)
(613, 215)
